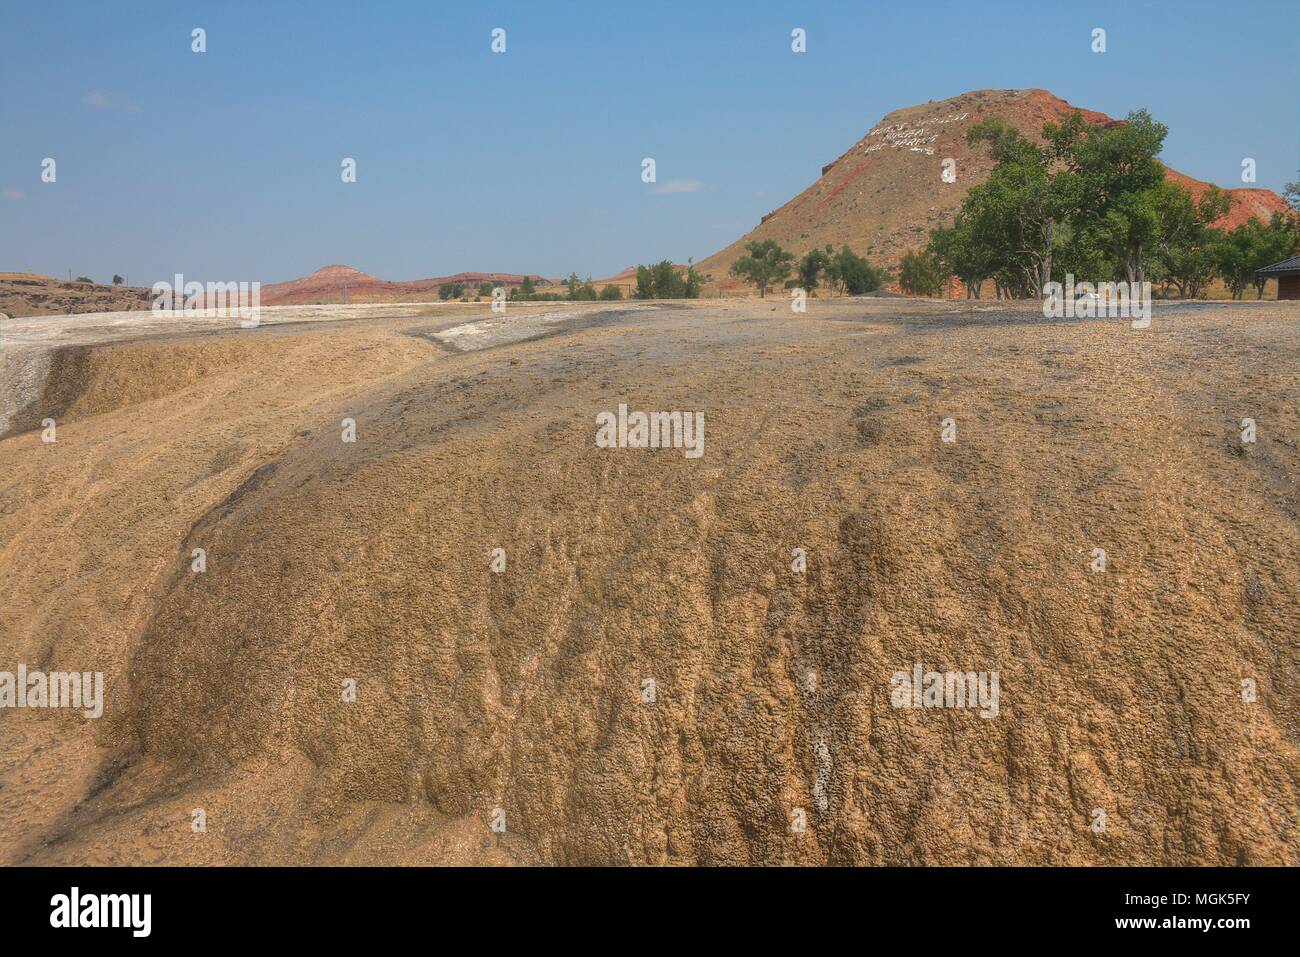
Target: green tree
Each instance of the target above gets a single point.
(526, 288)
(663, 280)
(582, 291)
(1112, 179)
(1279, 240)
(117, 280)
(485, 288)
(611, 292)
(668, 282)
(766, 263)
(694, 280)
(1016, 212)
(854, 274)
(811, 267)
(1291, 193)
(921, 274)
(1231, 255)
(964, 254)
(645, 283)
(1182, 237)
(1089, 198)
(1251, 246)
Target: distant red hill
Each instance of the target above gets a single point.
(1246, 203)
(344, 284)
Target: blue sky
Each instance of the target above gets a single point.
(225, 165)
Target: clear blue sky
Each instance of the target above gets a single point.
(225, 165)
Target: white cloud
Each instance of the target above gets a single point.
(679, 186)
(105, 101)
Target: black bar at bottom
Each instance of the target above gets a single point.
(944, 906)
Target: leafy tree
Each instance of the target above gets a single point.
(963, 253)
(1232, 255)
(694, 280)
(811, 267)
(1015, 213)
(1112, 180)
(766, 263)
(1088, 199)
(830, 274)
(668, 282)
(663, 280)
(485, 289)
(921, 274)
(1010, 227)
(1084, 254)
(117, 280)
(611, 292)
(451, 290)
(1292, 195)
(582, 291)
(658, 281)
(1190, 266)
(526, 288)
(645, 283)
(1182, 238)
(854, 274)
(1251, 246)
(1279, 240)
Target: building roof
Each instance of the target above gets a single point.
(1285, 268)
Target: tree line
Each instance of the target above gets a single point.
(1092, 200)
(765, 264)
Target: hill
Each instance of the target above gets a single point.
(26, 294)
(338, 283)
(884, 194)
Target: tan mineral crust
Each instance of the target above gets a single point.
(1123, 734)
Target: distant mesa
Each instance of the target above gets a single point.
(25, 294)
(339, 283)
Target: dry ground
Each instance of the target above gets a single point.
(1121, 691)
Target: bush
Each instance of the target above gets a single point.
(920, 274)
(853, 273)
(580, 291)
(611, 292)
(812, 267)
